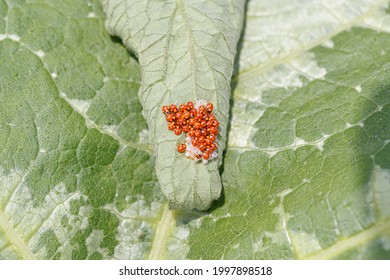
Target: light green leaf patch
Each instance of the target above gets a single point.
(186, 51)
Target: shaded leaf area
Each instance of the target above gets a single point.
(73, 143)
(313, 180)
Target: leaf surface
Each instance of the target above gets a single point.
(186, 52)
(73, 146)
(306, 169)
(306, 173)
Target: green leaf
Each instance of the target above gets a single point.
(305, 173)
(186, 52)
(307, 162)
(73, 145)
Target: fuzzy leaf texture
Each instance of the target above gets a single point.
(186, 52)
(306, 173)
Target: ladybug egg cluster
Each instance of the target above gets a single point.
(199, 124)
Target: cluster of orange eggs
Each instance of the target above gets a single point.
(200, 125)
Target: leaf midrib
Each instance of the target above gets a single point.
(162, 233)
(14, 238)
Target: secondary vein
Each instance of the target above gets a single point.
(351, 242)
